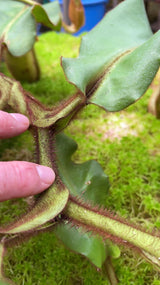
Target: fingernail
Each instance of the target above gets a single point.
(20, 118)
(46, 174)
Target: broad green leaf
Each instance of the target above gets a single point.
(88, 181)
(18, 23)
(118, 59)
(90, 246)
(17, 27)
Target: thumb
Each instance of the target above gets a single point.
(22, 179)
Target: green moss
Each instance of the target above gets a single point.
(127, 146)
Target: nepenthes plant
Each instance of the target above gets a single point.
(117, 62)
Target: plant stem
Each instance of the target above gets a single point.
(29, 2)
(109, 271)
(1, 259)
(111, 227)
(52, 201)
(71, 107)
(45, 150)
(43, 147)
(57, 117)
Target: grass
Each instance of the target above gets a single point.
(126, 144)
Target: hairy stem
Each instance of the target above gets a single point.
(109, 226)
(43, 147)
(67, 110)
(45, 150)
(51, 202)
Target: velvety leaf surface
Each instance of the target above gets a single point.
(118, 59)
(18, 23)
(88, 181)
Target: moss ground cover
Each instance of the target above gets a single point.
(126, 144)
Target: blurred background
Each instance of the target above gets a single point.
(96, 9)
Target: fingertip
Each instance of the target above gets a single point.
(22, 179)
(12, 124)
(46, 174)
(22, 119)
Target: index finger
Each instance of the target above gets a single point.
(12, 124)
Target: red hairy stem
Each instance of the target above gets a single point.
(109, 226)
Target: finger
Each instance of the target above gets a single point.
(22, 179)
(12, 124)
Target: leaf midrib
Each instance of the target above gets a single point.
(11, 23)
(93, 86)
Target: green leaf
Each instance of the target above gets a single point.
(18, 24)
(90, 246)
(112, 249)
(49, 15)
(118, 59)
(17, 27)
(88, 181)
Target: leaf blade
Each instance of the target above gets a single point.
(84, 179)
(87, 181)
(18, 24)
(125, 83)
(77, 240)
(48, 14)
(121, 34)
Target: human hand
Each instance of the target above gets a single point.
(20, 178)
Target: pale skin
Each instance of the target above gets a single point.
(20, 178)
